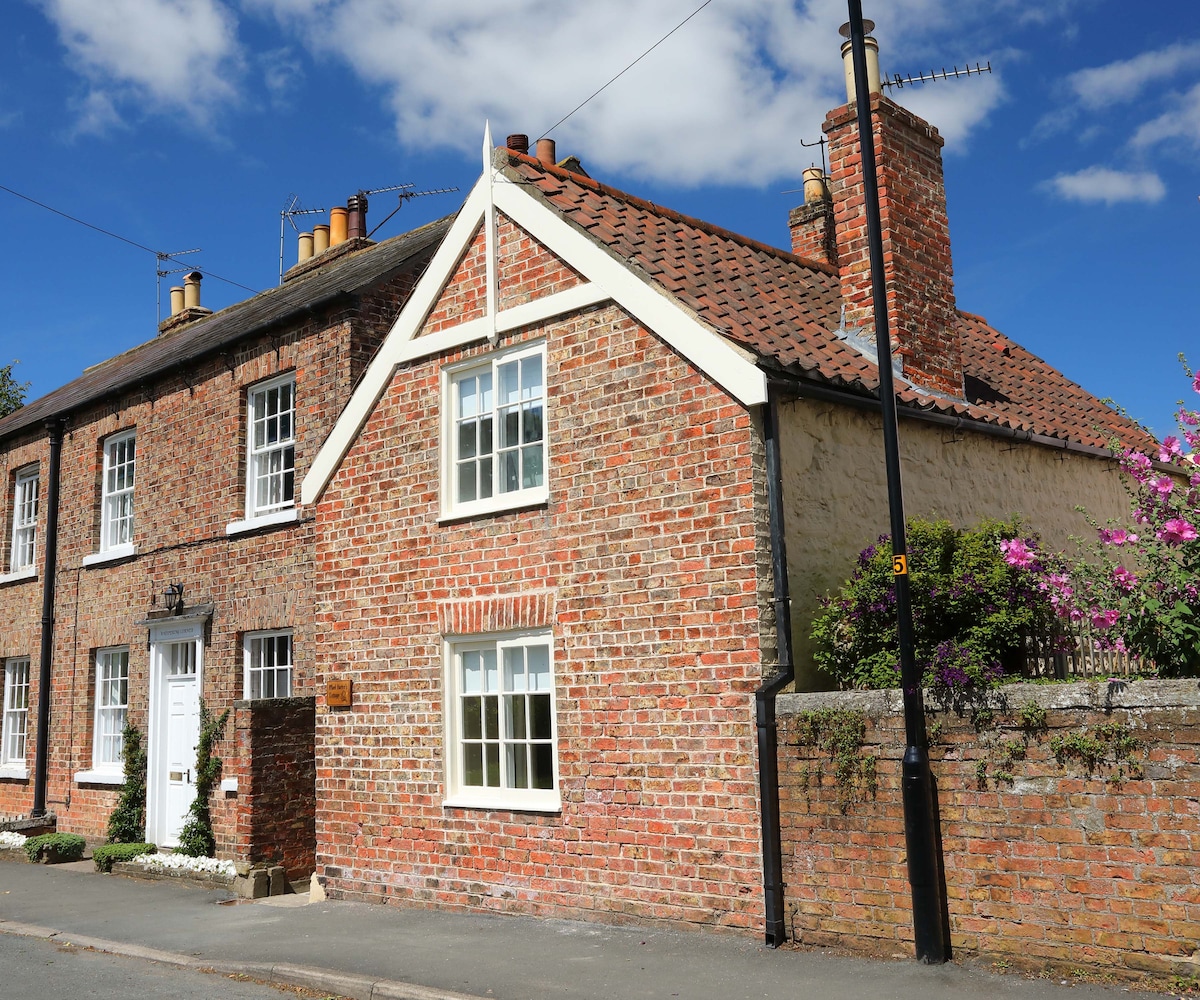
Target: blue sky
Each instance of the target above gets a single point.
(1070, 171)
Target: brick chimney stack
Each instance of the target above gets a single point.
(922, 314)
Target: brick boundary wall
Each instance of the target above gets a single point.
(1046, 866)
(276, 801)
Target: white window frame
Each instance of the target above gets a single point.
(14, 727)
(258, 648)
(22, 557)
(507, 748)
(273, 461)
(457, 416)
(117, 519)
(111, 709)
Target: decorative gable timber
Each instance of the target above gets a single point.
(595, 275)
(524, 270)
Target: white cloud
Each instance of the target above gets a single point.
(1124, 80)
(95, 115)
(1181, 121)
(1100, 184)
(178, 54)
(726, 99)
(281, 75)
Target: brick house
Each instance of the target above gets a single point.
(175, 463)
(546, 563)
(531, 574)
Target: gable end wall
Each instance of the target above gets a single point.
(644, 564)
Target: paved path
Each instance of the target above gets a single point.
(369, 951)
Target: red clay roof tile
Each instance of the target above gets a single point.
(786, 309)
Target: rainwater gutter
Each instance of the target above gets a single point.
(764, 698)
(46, 653)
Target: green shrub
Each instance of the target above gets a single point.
(110, 854)
(68, 846)
(127, 824)
(973, 604)
(196, 838)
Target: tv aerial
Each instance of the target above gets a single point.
(293, 208)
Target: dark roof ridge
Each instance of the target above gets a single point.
(669, 213)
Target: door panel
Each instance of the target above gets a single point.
(176, 762)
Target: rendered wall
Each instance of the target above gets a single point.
(835, 494)
(1055, 864)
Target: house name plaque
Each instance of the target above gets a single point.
(338, 693)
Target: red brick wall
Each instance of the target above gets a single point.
(526, 270)
(190, 485)
(643, 564)
(916, 238)
(814, 232)
(1046, 866)
(21, 605)
(276, 783)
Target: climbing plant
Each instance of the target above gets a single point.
(838, 734)
(196, 838)
(127, 823)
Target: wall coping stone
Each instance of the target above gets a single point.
(1098, 695)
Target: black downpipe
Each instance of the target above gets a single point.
(764, 697)
(50, 546)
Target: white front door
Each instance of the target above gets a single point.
(174, 733)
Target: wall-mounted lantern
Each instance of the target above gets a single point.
(173, 598)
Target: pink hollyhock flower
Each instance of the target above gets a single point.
(1117, 536)
(1016, 552)
(1123, 578)
(1196, 382)
(1169, 449)
(1177, 530)
(1162, 485)
(1189, 417)
(1137, 465)
(1105, 619)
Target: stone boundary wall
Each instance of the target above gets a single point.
(1047, 863)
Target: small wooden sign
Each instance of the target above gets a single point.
(338, 694)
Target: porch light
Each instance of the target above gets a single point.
(173, 598)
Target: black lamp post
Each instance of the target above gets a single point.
(921, 833)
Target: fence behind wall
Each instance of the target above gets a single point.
(1080, 654)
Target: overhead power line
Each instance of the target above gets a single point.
(627, 68)
(117, 236)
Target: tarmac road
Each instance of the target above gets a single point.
(37, 969)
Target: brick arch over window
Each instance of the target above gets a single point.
(497, 614)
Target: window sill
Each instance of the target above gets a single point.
(287, 516)
(506, 504)
(14, 772)
(109, 555)
(28, 573)
(543, 802)
(99, 778)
